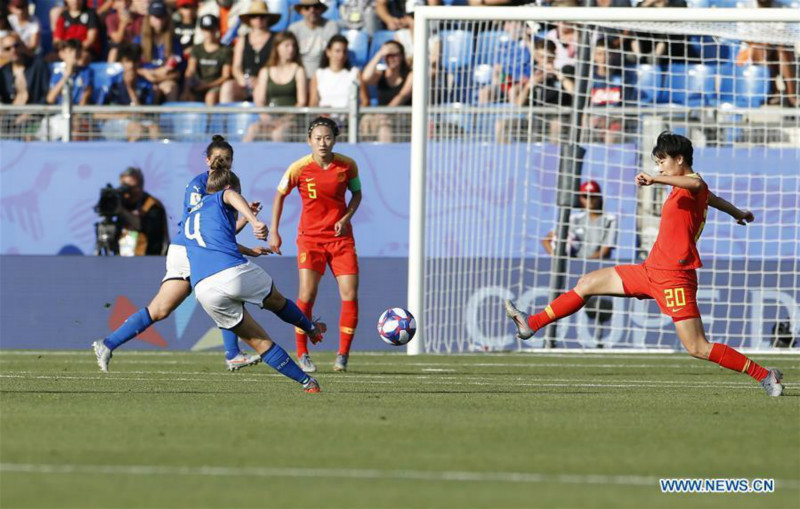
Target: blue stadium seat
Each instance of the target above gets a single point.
(751, 86)
(104, 75)
(486, 46)
(185, 126)
(649, 82)
(726, 73)
(234, 125)
(357, 47)
(455, 2)
(279, 7)
(690, 85)
(333, 10)
(293, 14)
(380, 38)
(456, 49)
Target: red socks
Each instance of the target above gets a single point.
(348, 321)
(299, 336)
(564, 305)
(729, 358)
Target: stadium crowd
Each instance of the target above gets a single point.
(150, 52)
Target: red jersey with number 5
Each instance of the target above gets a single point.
(683, 217)
(322, 191)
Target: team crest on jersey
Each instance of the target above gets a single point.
(303, 257)
(341, 177)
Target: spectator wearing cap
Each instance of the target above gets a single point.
(186, 28)
(592, 233)
(227, 11)
(250, 53)
(77, 21)
(122, 27)
(313, 33)
(26, 26)
(209, 65)
(161, 53)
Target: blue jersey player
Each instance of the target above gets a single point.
(175, 286)
(224, 280)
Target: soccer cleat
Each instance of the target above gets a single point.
(772, 383)
(311, 386)
(242, 361)
(103, 354)
(520, 320)
(306, 364)
(316, 333)
(341, 362)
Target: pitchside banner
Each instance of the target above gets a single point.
(68, 302)
(48, 191)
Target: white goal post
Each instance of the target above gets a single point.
(494, 166)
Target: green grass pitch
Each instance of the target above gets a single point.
(468, 431)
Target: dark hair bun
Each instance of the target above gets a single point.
(217, 138)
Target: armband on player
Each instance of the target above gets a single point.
(354, 184)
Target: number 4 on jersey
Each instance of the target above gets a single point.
(195, 236)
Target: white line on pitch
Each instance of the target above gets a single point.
(349, 473)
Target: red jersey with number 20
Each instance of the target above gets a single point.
(323, 194)
(683, 217)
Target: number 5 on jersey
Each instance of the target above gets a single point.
(312, 190)
(194, 235)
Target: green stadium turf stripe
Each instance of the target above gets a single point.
(349, 473)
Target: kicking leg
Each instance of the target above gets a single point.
(600, 282)
(290, 313)
(271, 353)
(170, 295)
(693, 338)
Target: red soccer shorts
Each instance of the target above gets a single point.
(339, 254)
(675, 291)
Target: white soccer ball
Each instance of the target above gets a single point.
(396, 326)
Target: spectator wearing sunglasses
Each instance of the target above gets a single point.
(313, 33)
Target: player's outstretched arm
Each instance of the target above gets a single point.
(742, 216)
(235, 200)
(275, 240)
(241, 221)
(693, 184)
(254, 251)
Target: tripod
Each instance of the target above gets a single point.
(106, 238)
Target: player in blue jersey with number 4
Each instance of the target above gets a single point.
(175, 286)
(224, 280)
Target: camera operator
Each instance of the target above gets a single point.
(142, 219)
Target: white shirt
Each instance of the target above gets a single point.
(27, 32)
(335, 87)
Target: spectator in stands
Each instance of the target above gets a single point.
(129, 89)
(26, 26)
(592, 233)
(250, 53)
(358, 15)
(122, 27)
(209, 65)
(5, 26)
(331, 85)
(142, 218)
(393, 14)
(227, 11)
(394, 86)
(313, 33)
(281, 82)
(781, 62)
(565, 40)
(80, 77)
(161, 54)
(24, 79)
(606, 89)
(77, 21)
(186, 28)
(512, 67)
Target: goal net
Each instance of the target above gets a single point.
(528, 132)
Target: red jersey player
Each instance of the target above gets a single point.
(324, 236)
(668, 275)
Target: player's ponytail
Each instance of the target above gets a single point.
(218, 142)
(220, 163)
(222, 179)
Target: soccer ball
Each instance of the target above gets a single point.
(396, 326)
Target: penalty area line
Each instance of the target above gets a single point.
(348, 473)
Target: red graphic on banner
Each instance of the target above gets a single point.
(123, 308)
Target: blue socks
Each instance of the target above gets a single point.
(133, 326)
(231, 342)
(292, 315)
(277, 358)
